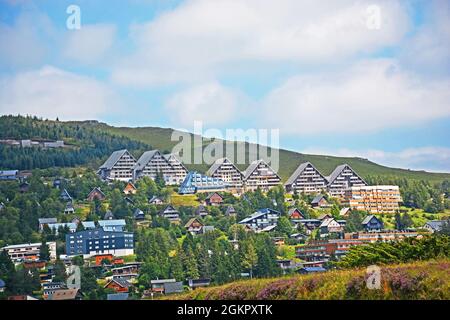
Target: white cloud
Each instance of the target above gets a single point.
(368, 96)
(199, 38)
(211, 103)
(436, 159)
(50, 92)
(90, 43)
(23, 44)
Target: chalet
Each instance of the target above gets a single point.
(262, 220)
(69, 209)
(260, 175)
(112, 225)
(342, 178)
(198, 183)
(201, 211)
(225, 170)
(65, 196)
(66, 294)
(118, 285)
(129, 189)
(153, 164)
(194, 226)
(119, 166)
(170, 213)
(138, 214)
(158, 285)
(198, 283)
(179, 171)
(310, 224)
(372, 223)
(306, 179)
(156, 200)
(127, 271)
(230, 211)
(46, 221)
(96, 194)
(214, 199)
(294, 213)
(108, 215)
(319, 201)
(298, 236)
(9, 175)
(330, 226)
(435, 225)
(345, 212)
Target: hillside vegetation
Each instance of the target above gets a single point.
(93, 142)
(417, 280)
(160, 138)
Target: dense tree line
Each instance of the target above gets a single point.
(86, 144)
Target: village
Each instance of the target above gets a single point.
(309, 231)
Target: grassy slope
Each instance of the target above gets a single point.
(417, 280)
(159, 138)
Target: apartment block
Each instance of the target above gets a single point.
(373, 199)
(119, 166)
(260, 175)
(306, 179)
(342, 178)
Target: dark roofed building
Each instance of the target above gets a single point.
(96, 193)
(319, 201)
(170, 213)
(118, 166)
(306, 179)
(342, 178)
(372, 223)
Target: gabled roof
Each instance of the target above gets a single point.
(144, 159)
(252, 167)
(368, 218)
(344, 211)
(121, 282)
(173, 156)
(216, 165)
(211, 194)
(154, 198)
(336, 172)
(292, 210)
(113, 158)
(98, 190)
(327, 222)
(108, 215)
(436, 225)
(168, 210)
(191, 221)
(300, 170)
(317, 198)
(230, 210)
(138, 212)
(200, 208)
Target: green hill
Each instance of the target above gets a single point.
(93, 141)
(289, 160)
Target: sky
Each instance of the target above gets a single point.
(347, 78)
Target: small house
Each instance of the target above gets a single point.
(372, 223)
(201, 211)
(138, 214)
(118, 285)
(156, 200)
(294, 213)
(330, 225)
(158, 285)
(130, 189)
(319, 201)
(194, 226)
(69, 208)
(170, 213)
(434, 225)
(108, 215)
(96, 193)
(345, 212)
(214, 199)
(230, 211)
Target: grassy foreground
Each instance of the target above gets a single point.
(427, 280)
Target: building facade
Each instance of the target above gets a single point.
(225, 170)
(260, 175)
(306, 179)
(153, 163)
(179, 171)
(198, 183)
(342, 178)
(98, 241)
(28, 251)
(373, 199)
(262, 220)
(119, 166)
